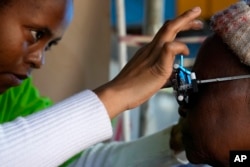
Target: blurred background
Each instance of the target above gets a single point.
(104, 35)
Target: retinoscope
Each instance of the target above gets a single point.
(184, 82)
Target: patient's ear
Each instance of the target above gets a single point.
(176, 137)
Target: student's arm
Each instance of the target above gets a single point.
(51, 136)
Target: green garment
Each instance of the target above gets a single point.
(21, 101)
(24, 100)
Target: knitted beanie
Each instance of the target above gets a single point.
(233, 25)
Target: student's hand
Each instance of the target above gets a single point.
(150, 68)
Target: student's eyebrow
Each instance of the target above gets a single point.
(47, 31)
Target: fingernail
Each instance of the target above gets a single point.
(196, 9)
(198, 22)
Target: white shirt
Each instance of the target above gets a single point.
(50, 137)
(148, 151)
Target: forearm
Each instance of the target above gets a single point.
(50, 137)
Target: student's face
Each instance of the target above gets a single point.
(27, 30)
(218, 119)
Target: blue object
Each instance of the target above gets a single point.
(134, 10)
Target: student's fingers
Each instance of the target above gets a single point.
(149, 69)
(167, 56)
(185, 21)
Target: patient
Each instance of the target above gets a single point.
(217, 117)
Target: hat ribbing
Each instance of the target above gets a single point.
(233, 25)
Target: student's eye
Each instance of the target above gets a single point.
(50, 45)
(37, 35)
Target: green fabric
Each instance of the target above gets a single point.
(21, 101)
(24, 100)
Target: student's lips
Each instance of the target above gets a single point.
(12, 79)
(8, 80)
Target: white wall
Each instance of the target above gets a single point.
(81, 59)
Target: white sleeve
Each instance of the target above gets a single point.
(149, 151)
(50, 137)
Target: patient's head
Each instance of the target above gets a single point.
(218, 116)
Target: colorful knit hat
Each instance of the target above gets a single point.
(233, 25)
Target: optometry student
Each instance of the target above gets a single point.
(53, 135)
(152, 150)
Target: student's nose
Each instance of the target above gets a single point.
(36, 59)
